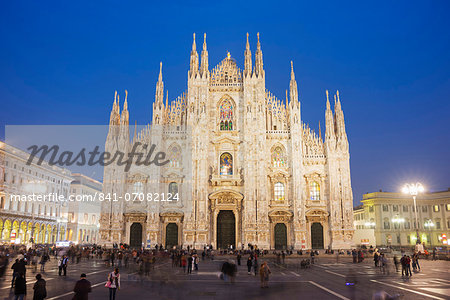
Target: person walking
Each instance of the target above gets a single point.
(15, 267)
(264, 272)
(113, 283)
(62, 265)
(255, 265)
(249, 265)
(43, 261)
(39, 288)
(239, 259)
(20, 287)
(403, 263)
(82, 288)
(408, 266)
(183, 263)
(189, 265)
(416, 260)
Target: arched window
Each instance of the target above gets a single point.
(278, 157)
(138, 187)
(226, 164)
(279, 191)
(173, 189)
(175, 156)
(226, 115)
(314, 190)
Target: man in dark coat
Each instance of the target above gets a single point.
(40, 291)
(82, 288)
(20, 286)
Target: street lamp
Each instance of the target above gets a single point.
(397, 220)
(429, 224)
(414, 189)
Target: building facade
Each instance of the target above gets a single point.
(25, 218)
(83, 210)
(257, 173)
(392, 217)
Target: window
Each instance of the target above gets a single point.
(447, 206)
(279, 191)
(385, 207)
(408, 239)
(394, 207)
(370, 208)
(448, 223)
(314, 190)
(396, 225)
(138, 188)
(175, 156)
(173, 189)
(438, 224)
(398, 239)
(436, 208)
(405, 208)
(386, 224)
(424, 208)
(226, 115)
(278, 157)
(226, 164)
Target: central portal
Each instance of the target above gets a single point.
(226, 229)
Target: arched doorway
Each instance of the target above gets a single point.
(226, 229)
(136, 235)
(316, 236)
(171, 235)
(280, 233)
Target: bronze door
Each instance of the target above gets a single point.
(136, 235)
(280, 236)
(226, 229)
(316, 236)
(171, 235)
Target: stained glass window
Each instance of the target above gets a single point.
(314, 190)
(226, 164)
(278, 159)
(174, 156)
(279, 191)
(226, 115)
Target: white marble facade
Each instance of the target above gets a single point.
(280, 184)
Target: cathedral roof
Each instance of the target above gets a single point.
(226, 73)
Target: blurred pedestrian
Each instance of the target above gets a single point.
(113, 283)
(264, 272)
(62, 265)
(82, 288)
(249, 265)
(39, 288)
(20, 287)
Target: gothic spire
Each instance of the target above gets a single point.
(204, 65)
(259, 71)
(194, 59)
(329, 121)
(248, 59)
(125, 114)
(339, 118)
(159, 95)
(293, 86)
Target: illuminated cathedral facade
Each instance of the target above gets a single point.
(255, 174)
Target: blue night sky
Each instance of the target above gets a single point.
(61, 61)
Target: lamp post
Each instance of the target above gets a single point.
(414, 189)
(429, 224)
(397, 220)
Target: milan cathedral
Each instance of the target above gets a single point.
(255, 174)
